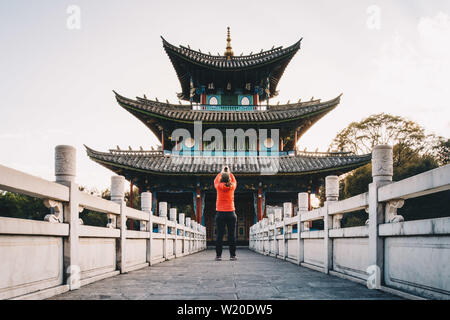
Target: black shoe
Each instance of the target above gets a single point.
(218, 258)
(233, 258)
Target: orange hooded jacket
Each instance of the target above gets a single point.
(225, 195)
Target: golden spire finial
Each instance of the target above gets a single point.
(229, 51)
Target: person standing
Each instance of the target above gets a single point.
(225, 184)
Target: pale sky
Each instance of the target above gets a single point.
(56, 83)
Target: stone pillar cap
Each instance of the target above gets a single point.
(382, 146)
(65, 146)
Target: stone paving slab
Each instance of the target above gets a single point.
(200, 277)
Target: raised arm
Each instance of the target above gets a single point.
(233, 181)
(217, 180)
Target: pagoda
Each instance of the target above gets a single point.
(227, 96)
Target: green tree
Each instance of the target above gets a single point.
(361, 137)
(21, 206)
(442, 151)
(414, 152)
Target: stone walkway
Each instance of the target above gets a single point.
(198, 276)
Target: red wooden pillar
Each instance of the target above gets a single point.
(162, 140)
(259, 205)
(255, 99)
(131, 203)
(203, 98)
(198, 198)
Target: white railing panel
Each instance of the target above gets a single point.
(98, 232)
(137, 214)
(427, 227)
(23, 269)
(94, 203)
(351, 232)
(312, 215)
(432, 181)
(317, 234)
(348, 205)
(291, 220)
(158, 235)
(136, 234)
(16, 181)
(350, 256)
(171, 223)
(313, 252)
(135, 252)
(97, 256)
(32, 227)
(159, 220)
(418, 265)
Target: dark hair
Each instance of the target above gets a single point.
(225, 178)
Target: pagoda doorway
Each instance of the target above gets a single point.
(245, 211)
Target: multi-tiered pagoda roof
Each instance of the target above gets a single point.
(200, 74)
(238, 70)
(292, 119)
(157, 162)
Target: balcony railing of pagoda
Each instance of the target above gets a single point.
(322, 154)
(407, 258)
(228, 108)
(208, 153)
(77, 254)
(137, 152)
(228, 153)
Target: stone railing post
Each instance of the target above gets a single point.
(266, 239)
(173, 214)
(65, 172)
(287, 208)
(173, 218)
(188, 234)
(118, 196)
(194, 236)
(146, 206)
(302, 209)
(163, 213)
(382, 171)
(331, 195)
(65, 164)
(183, 241)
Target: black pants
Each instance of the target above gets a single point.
(228, 219)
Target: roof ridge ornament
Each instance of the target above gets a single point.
(229, 51)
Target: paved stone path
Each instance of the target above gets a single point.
(198, 276)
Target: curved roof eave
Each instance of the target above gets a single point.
(236, 62)
(155, 162)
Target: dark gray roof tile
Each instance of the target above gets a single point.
(155, 162)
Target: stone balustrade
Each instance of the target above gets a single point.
(408, 258)
(40, 259)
